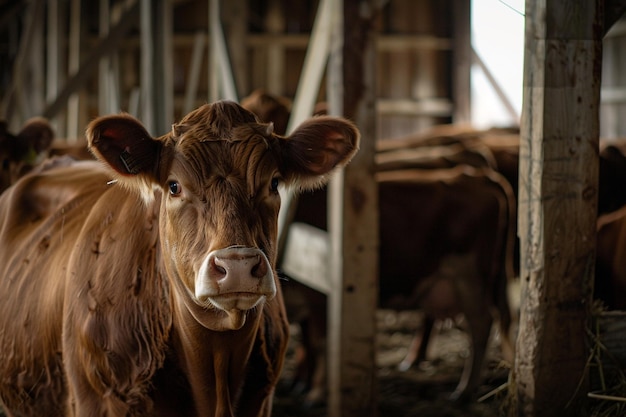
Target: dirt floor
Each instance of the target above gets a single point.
(418, 392)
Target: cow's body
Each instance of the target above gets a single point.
(610, 279)
(446, 242)
(155, 293)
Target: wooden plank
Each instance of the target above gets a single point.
(104, 86)
(353, 218)
(304, 101)
(557, 205)
(163, 87)
(312, 269)
(90, 63)
(223, 84)
(13, 98)
(386, 42)
(462, 62)
(408, 107)
(191, 88)
(236, 20)
(73, 65)
(36, 85)
(314, 65)
(54, 67)
(274, 25)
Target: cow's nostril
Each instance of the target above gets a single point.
(217, 271)
(259, 270)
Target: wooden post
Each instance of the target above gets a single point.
(163, 29)
(221, 82)
(462, 61)
(104, 81)
(353, 218)
(557, 205)
(146, 64)
(54, 65)
(275, 25)
(73, 65)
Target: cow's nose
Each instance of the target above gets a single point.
(239, 265)
(234, 273)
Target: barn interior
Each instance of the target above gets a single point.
(73, 60)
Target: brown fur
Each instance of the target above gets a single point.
(99, 306)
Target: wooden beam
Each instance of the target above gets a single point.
(14, 96)
(353, 217)
(146, 63)
(54, 66)
(223, 83)
(163, 65)
(275, 25)
(462, 61)
(90, 63)
(191, 88)
(308, 88)
(314, 65)
(73, 65)
(557, 205)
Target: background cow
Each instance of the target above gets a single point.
(20, 152)
(146, 284)
(446, 247)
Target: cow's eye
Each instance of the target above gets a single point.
(274, 184)
(175, 188)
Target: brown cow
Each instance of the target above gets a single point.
(446, 243)
(20, 152)
(610, 279)
(146, 284)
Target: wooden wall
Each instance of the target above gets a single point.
(267, 42)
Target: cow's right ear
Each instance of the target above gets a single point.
(316, 148)
(124, 144)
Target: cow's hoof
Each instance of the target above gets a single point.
(460, 396)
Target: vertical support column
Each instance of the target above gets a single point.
(73, 65)
(275, 25)
(557, 205)
(221, 82)
(353, 219)
(54, 67)
(104, 85)
(163, 30)
(462, 59)
(146, 79)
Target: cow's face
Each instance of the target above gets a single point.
(219, 173)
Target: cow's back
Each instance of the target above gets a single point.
(40, 218)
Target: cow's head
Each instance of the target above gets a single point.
(18, 153)
(219, 171)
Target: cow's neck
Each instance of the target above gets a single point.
(213, 362)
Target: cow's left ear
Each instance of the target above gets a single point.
(124, 144)
(317, 147)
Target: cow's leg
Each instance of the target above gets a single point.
(419, 345)
(505, 320)
(479, 326)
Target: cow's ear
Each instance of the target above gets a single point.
(316, 148)
(124, 144)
